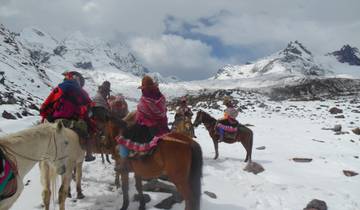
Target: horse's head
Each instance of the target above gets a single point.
(59, 148)
(199, 118)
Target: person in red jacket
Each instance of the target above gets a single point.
(70, 101)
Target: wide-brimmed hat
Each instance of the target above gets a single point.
(147, 83)
(105, 85)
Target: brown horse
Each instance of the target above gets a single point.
(244, 135)
(176, 156)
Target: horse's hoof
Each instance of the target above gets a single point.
(142, 208)
(80, 196)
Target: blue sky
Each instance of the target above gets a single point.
(193, 39)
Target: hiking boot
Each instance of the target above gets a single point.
(89, 158)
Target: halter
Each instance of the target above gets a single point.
(7, 149)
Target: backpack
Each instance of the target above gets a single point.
(51, 103)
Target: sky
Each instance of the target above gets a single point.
(192, 39)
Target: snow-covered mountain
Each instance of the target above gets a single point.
(294, 61)
(32, 63)
(347, 54)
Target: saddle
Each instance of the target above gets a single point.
(8, 182)
(230, 129)
(140, 140)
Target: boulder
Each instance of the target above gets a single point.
(335, 110)
(254, 168)
(356, 131)
(8, 115)
(316, 204)
(350, 173)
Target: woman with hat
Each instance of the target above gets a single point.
(228, 123)
(150, 114)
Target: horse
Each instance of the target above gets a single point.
(75, 160)
(177, 156)
(244, 135)
(26, 148)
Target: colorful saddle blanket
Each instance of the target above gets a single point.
(8, 182)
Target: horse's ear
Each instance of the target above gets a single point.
(59, 126)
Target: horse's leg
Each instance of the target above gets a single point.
(80, 195)
(107, 158)
(102, 158)
(64, 189)
(138, 184)
(125, 189)
(45, 182)
(117, 181)
(247, 141)
(216, 146)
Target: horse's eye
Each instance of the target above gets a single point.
(66, 142)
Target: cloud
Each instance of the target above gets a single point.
(174, 55)
(224, 31)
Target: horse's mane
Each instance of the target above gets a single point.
(24, 135)
(207, 116)
(130, 118)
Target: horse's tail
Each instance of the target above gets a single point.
(195, 175)
(250, 145)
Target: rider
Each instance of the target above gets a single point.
(229, 118)
(184, 112)
(70, 101)
(151, 114)
(101, 107)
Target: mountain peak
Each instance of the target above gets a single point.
(295, 47)
(347, 54)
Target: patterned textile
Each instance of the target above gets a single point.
(152, 113)
(8, 182)
(138, 147)
(118, 105)
(227, 128)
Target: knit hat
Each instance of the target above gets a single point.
(147, 83)
(74, 75)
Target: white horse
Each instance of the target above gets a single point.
(26, 148)
(75, 159)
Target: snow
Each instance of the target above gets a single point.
(286, 129)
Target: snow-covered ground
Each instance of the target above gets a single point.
(286, 129)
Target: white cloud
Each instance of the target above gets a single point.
(174, 55)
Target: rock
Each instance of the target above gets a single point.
(210, 194)
(8, 115)
(340, 116)
(302, 160)
(337, 128)
(316, 204)
(254, 168)
(356, 131)
(357, 157)
(350, 173)
(146, 198)
(168, 202)
(321, 141)
(156, 186)
(335, 110)
(355, 111)
(260, 148)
